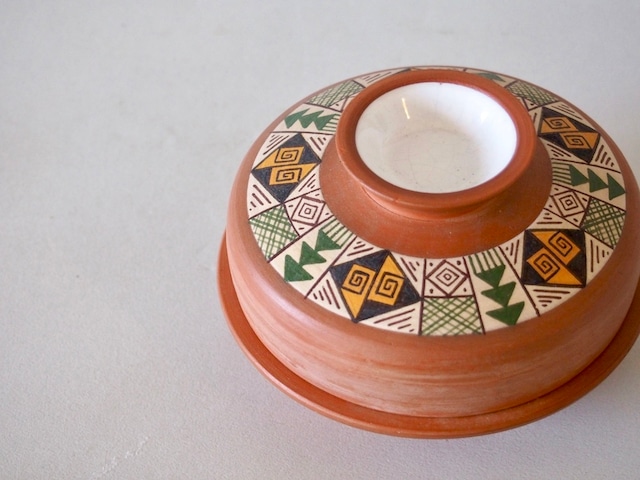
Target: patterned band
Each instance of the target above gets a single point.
(552, 259)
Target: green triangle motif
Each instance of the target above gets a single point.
(595, 182)
(324, 242)
(492, 276)
(615, 189)
(306, 119)
(501, 294)
(577, 177)
(293, 271)
(509, 314)
(308, 255)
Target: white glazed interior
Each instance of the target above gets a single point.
(435, 137)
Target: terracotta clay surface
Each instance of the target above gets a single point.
(420, 427)
(435, 306)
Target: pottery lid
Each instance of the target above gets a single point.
(433, 252)
(426, 250)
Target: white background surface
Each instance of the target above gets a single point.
(122, 126)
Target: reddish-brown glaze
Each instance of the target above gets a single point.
(418, 205)
(431, 376)
(436, 224)
(487, 224)
(411, 426)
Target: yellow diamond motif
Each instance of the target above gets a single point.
(282, 156)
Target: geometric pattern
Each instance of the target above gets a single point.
(491, 270)
(337, 232)
(318, 142)
(373, 284)
(589, 183)
(604, 221)
(307, 211)
(286, 167)
(554, 257)
(604, 156)
(304, 262)
(569, 134)
(557, 255)
(448, 277)
(272, 230)
(333, 96)
(548, 297)
(294, 270)
(325, 293)
(591, 179)
(599, 254)
(450, 316)
(258, 199)
(566, 109)
(405, 320)
(535, 95)
(313, 120)
(595, 181)
(569, 204)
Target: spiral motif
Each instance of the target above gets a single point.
(285, 175)
(359, 280)
(575, 140)
(289, 155)
(387, 288)
(545, 264)
(560, 124)
(563, 245)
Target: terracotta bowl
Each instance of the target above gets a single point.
(433, 252)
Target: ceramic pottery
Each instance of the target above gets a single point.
(433, 252)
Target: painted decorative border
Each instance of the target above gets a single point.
(557, 255)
